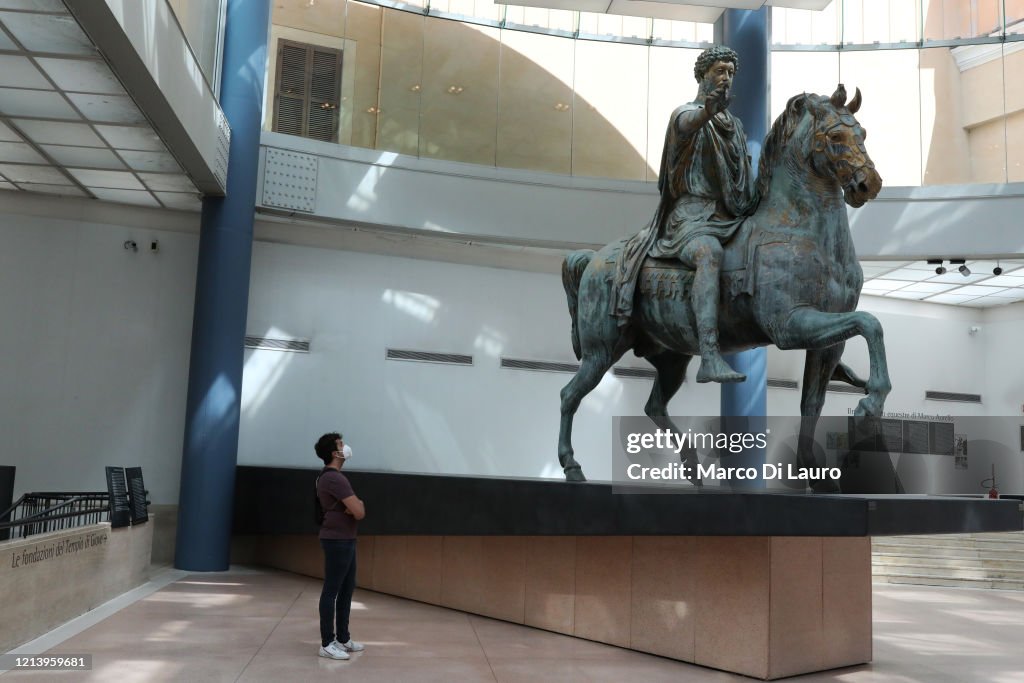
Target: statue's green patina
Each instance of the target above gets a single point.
(727, 264)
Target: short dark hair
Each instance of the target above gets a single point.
(326, 445)
(715, 53)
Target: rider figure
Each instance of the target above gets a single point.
(707, 188)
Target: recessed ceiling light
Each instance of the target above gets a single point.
(415, 88)
(373, 110)
(455, 89)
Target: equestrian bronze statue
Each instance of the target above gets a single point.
(728, 264)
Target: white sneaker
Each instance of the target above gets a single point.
(351, 646)
(334, 650)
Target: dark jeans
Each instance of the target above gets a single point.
(339, 582)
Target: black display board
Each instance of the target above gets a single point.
(6, 496)
(915, 437)
(941, 438)
(136, 495)
(117, 487)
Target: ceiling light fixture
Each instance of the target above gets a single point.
(964, 270)
(998, 270)
(455, 89)
(962, 263)
(373, 110)
(561, 106)
(939, 270)
(415, 88)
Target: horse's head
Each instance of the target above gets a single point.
(831, 142)
(837, 146)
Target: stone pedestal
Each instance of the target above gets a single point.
(762, 606)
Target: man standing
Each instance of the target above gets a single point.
(707, 188)
(338, 540)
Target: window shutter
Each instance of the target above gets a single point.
(324, 95)
(308, 91)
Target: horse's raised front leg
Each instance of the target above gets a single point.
(592, 369)
(808, 328)
(820, 366)
(671, 369)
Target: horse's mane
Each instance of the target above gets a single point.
(776, 140)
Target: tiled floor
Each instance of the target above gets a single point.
(256, 625)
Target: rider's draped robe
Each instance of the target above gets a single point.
(706, 186)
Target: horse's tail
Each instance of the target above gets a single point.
(572, 272)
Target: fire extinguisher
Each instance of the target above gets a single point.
(993, 492)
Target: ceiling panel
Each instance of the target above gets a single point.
(84, 156)
(131, 138)
(19, 153)
(59, 133)
(21, 173)
(64, 190)
(150, 161)
(35, 103)
(82, 75)
(20, 72)
(107, 108)
(918, 280)
(65, 116)
(108, 179)
(140, 197)
(48, 33)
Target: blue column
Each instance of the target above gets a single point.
(222, 299)
(747, 32)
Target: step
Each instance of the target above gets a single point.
(949, 572)
(897, 560)
(1011, 540)
(954, 553)
(932, 580)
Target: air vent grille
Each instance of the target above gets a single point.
(952, 396)
(268, 344)
(539, 365)
(429, 357)
(635, 373)
(782, 383)
(840, 388)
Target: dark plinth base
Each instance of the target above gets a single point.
(766, 585)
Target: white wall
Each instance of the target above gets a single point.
(96, 339)
(93, 351)
(414, 416)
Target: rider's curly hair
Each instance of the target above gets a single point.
(716, 53)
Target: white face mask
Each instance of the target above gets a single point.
(346, 452)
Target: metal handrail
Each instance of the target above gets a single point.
(54, 515)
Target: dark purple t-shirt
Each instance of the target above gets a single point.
(332, 488)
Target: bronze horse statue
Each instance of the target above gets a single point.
(790, 277)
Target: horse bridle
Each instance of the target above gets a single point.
(848, 175)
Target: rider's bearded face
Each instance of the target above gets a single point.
(718, 75)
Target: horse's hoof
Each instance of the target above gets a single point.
(574, 474)
(867, 407)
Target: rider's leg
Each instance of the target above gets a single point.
(704, 255)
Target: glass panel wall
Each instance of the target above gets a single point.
(522, 92)
(609, 116)
(201, 22)
(459, 101)
(889, 84)
(401, 82)
(535, 102)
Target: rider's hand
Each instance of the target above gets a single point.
(716, 101)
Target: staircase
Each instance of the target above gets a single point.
(994, 560)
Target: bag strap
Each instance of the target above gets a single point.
(315, 485)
